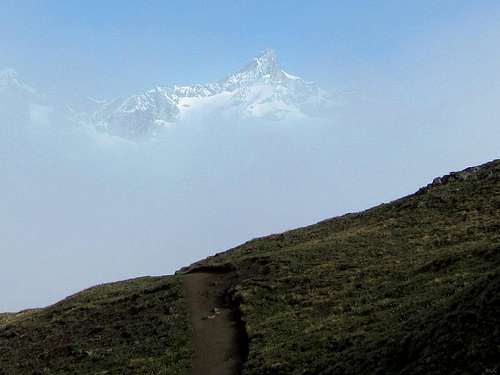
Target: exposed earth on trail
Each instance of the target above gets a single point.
(217, 348)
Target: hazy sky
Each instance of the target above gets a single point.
(109, 48)
(418, 84)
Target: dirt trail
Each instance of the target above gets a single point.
(216, 334)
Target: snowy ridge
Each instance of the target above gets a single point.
(262, 89)
(19, 102)
(9, 79)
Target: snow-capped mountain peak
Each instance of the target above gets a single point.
(263, 68)
(20, 103)
(264, 65)
(7, 75)
(262, 89)
(9, 79)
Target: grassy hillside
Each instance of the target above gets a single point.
(408, 287)
(132, 327)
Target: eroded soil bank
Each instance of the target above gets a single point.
(217, 331)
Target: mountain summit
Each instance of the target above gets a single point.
(264, 66)
(7, 76)
(10, 80)
(19, 102)
(262, 89)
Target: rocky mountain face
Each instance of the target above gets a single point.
(261, 90)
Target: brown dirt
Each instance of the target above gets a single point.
(216, 337)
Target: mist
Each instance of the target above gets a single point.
(81, 207)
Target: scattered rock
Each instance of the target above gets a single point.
(213, 313)
(437, 181)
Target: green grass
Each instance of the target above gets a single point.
(366, 293)
(410, 287)
(133, 327)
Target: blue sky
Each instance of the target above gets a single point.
(118, 47)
